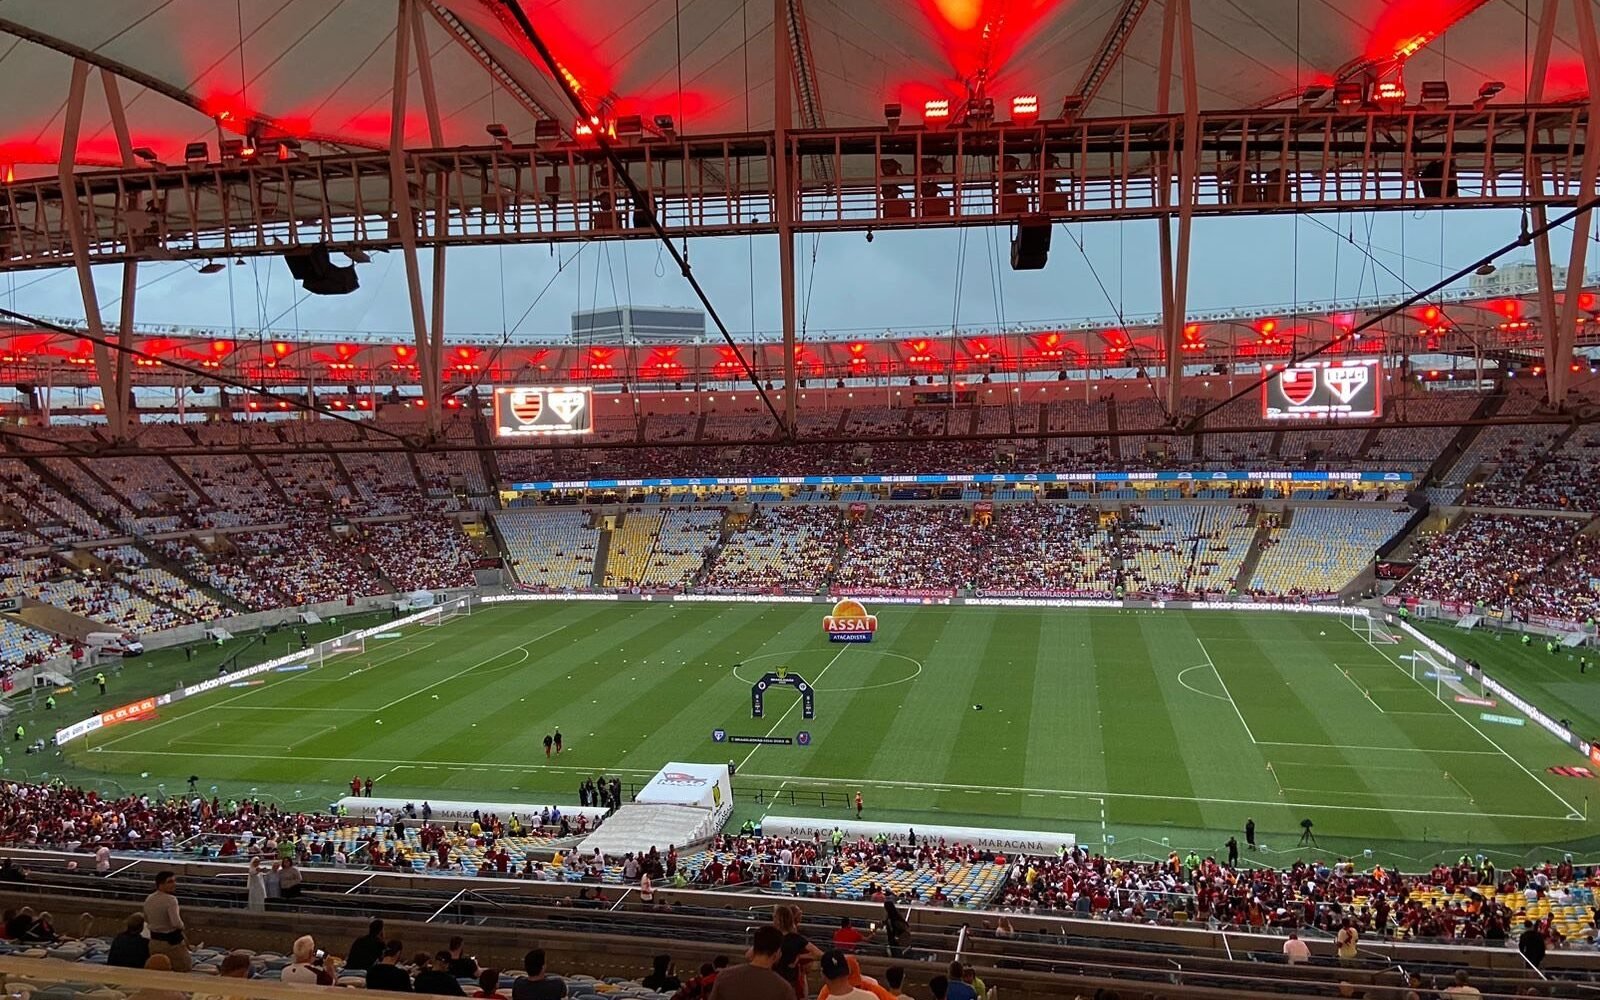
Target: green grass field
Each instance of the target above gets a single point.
(1156, 728)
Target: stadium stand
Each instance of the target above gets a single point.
(908, 548)
(552, 550)
(21, 646)
(426, 552)
(1045, 550)
(1321, 549)
(1531, 565)
(779, 547)
(133, 568)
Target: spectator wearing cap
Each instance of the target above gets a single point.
(836, 973)
(858, 981)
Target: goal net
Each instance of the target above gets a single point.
(447, 611)
(354, 642)
(1371, 628)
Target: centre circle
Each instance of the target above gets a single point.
(915, 669)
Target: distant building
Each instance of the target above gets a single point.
(639, 325)
(1516, 276)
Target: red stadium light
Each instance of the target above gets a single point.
(936, 112)
(1390, 92)
(1431, 315)
(1410, 47)
(281, 349)
(1586, 301)
(364, 403)
(1266, 327)
(452, 403)
(221, 347)
(1025, 108)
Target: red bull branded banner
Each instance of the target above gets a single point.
(850, 622)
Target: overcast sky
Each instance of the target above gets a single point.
(900, 280)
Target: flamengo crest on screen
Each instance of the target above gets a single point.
(849, 622)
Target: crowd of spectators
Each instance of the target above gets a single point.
(75, 819)
(777, 548)
(1466, 901)
(908, 548)
(1049, 551)
(425, 552)
(1531, 565)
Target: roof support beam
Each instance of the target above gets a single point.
(1558, 371)
(1110, 51)
(430, 102)
(111, 390)
(404, 216)
(504, 75)
(1177, 25)
(783, 214)
(805, 72)
(1534, 172)
(130, 268)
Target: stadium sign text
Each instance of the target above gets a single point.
(849, 622)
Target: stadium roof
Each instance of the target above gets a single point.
(322, 71)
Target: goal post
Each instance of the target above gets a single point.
(354, 642)
(1370, 627)
(446, 611)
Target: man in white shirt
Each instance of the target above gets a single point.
(302, 970)
(1295, 950)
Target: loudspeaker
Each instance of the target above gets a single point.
(1030, 248)
(319, 275)
(1437, 180)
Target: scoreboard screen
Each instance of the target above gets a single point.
(538, 411)
(1321, 389)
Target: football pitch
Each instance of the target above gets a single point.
(1145, 730)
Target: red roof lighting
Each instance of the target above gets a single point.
(936, 112)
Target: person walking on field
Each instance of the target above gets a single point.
(548, 741)
(858, 805)
(1250, 833)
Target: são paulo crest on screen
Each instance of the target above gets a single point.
(849, 622)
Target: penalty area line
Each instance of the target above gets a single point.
(1093, 794)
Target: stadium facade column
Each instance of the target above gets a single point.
(1559, 319)
(783, 207)
(112, 393)
(1558, 370)
(405, 219)
(130, 267)
(430, 104)
(1177, 23)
